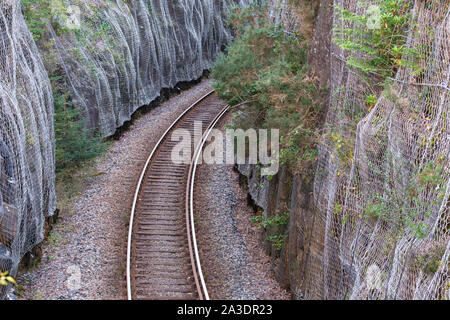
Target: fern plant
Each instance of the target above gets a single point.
(375, 41)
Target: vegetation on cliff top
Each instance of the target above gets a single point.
(376, 42)
(38, 13)
(5, 278)
(265, 70)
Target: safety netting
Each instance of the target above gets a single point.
(118, 55)
(27, 172)
(382, 187)
(282, 13)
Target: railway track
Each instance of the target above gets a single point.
(162, 259)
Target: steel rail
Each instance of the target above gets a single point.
(190, 219)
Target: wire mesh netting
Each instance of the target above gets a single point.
(282, 13)
(119, 55)
(382, 186)
(27, 192)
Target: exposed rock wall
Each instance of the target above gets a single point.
(27, 170)
(336, 248)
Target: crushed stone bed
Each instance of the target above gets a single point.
(234, 263)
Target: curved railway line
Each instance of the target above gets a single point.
(162, 257)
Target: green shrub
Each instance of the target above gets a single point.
(403, 207)
(277, 220)
(74, 142)
(430, 261)
(265, 70)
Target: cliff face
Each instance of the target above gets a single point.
(386, 209)
(373, 221)
(118, 55)
(27, 192)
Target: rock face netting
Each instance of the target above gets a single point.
(120, 54)
(281, 13)
(27, 192)
(382, 187)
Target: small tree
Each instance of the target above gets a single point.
(75, 143)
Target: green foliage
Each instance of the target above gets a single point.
(265, 70)
(371, 100)
(74, 142)
(34, 12)
(431, 175)
(404, 208)
(95, 29)
(277, 220)
(378, 208)
(277, 240)
(277, 224)
(38, 13)
(376, 41)
(430, 261)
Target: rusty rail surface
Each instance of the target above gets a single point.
(162, 255)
